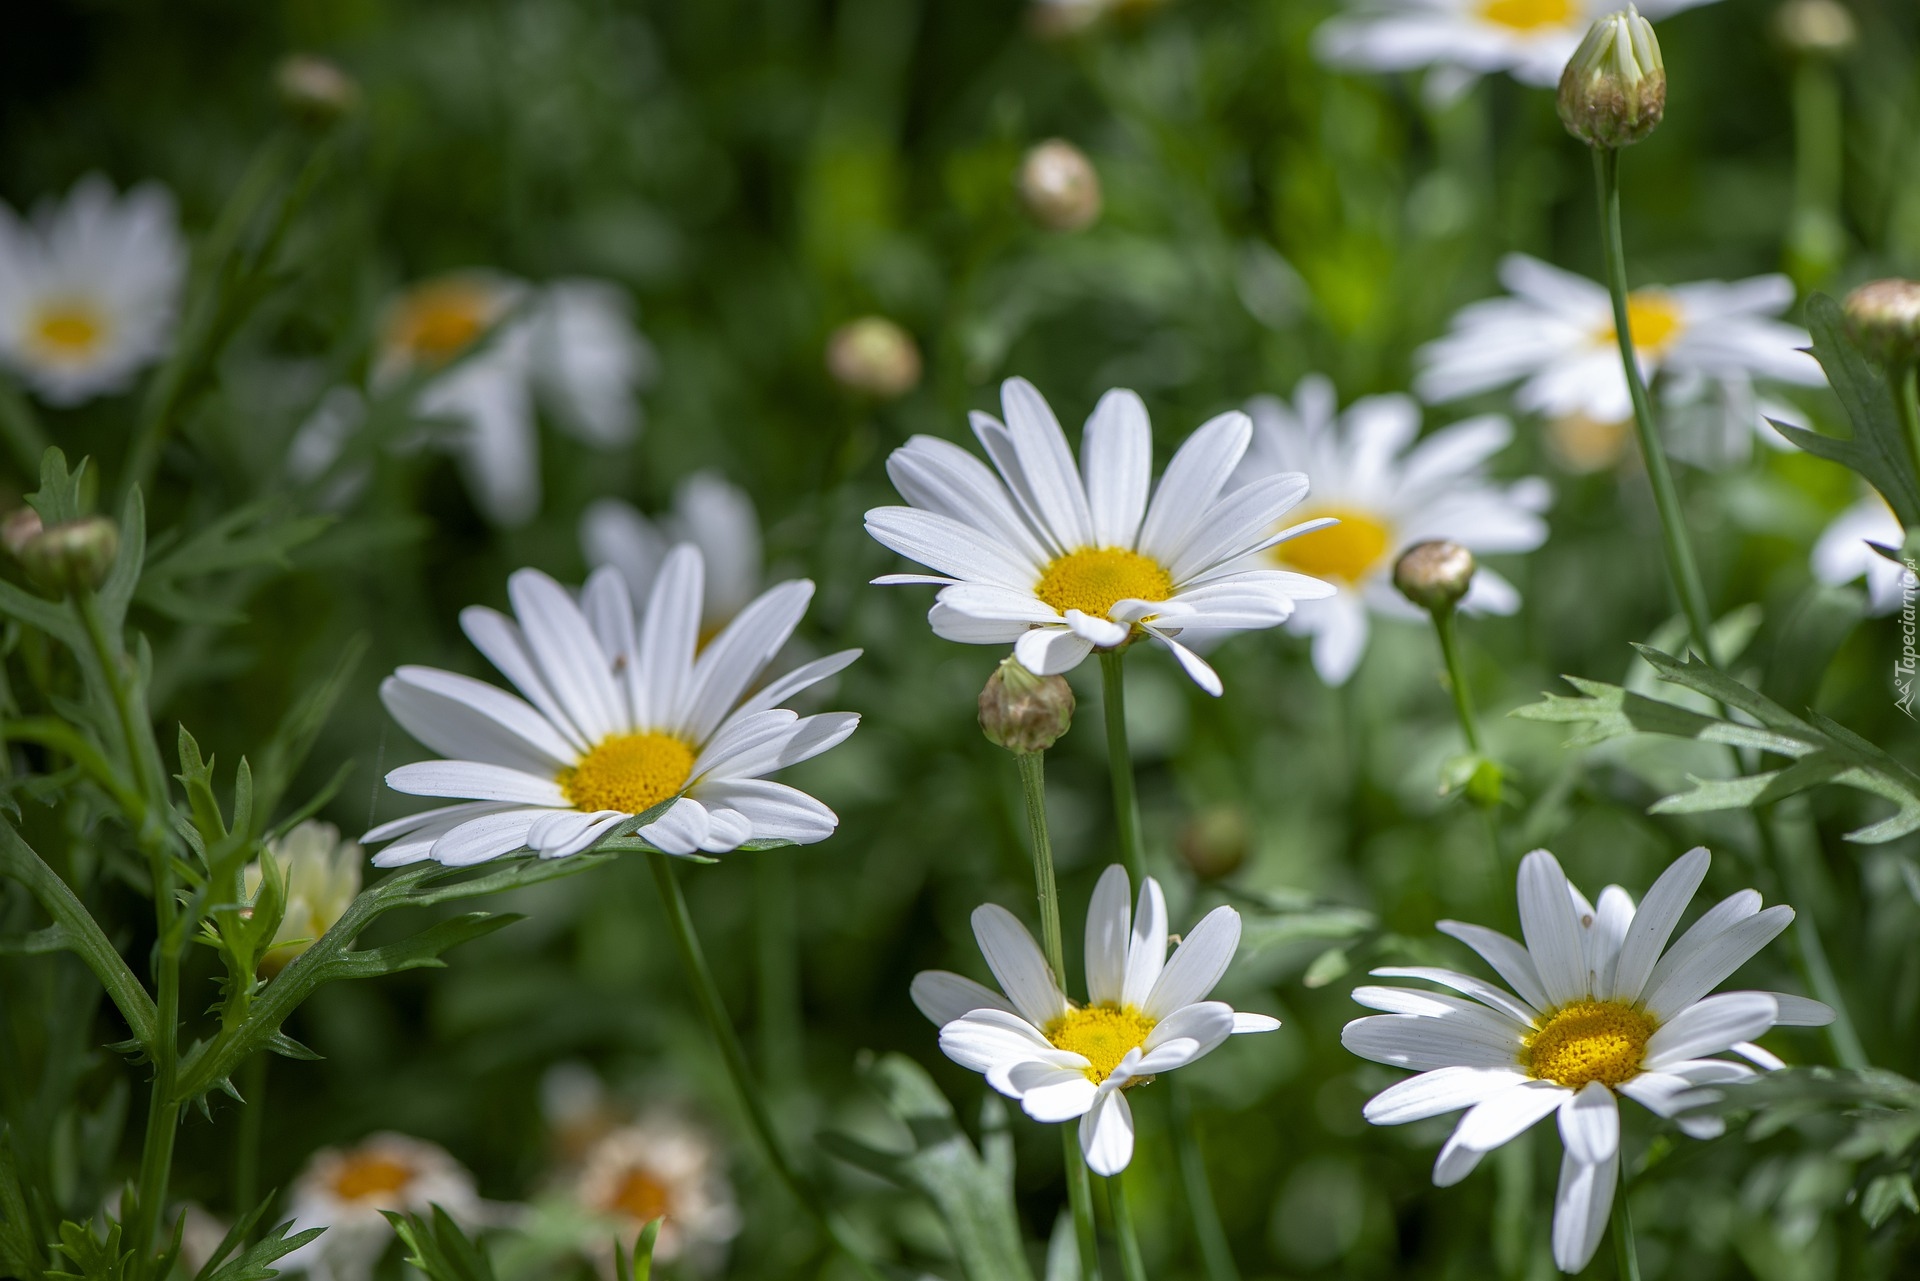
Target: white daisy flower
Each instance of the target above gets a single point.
(1604, 1008)
(1062, 560)
(1842, 555)
(618, 716)
(1555, 337)
(664, 1167)
(709, 512)
(89, 290)
(1146, 1013)
(1530, 39)
(322, 874)
(1388, 491)
(503, 346)
(344, 1191)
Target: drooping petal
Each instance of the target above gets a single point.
(1492, 1122)
(1439, 1091)
(1106, 1133)
(1580, 1210)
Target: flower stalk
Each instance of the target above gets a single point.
(1132, 1266)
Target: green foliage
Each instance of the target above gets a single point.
(436, 1245)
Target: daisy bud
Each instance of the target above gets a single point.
(1820, 28)
(1435, 574)
(315, 90)
(1214, 843)
(321, 872)
(1884, 318)
(1059, 186)
(73, 554)
(875, 357)
(1022, 712)
(1614, 89)
(20, 528)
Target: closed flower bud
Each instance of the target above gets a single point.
(1823, 28)
(875, 357)
(1059, 186)
(314, 89)
(322, 876)
(1022, 712)
(1884, 318)
(73, 554)
(1434, 574)
(1215, 842)
(1614, 89)
(20, 528)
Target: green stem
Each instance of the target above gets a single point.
(1080, 1199)
(1816, 241)
(781, 1050)
(1797, 873)
(1126, 802)
(1132, 1266)
(1456, 677)
(1901, 379)
(1681, 566)
(707, 994)
(1216, 1255)
(1623, 1246)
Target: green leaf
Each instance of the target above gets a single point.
(255, 536)
(436, 1245)
(1878, 448)
(62, 495)
(91, 1258)
(19, 1242)
(255, 1263)
(1886, 1194)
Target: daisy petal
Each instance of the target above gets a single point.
(1690, 972)
(1580, 1210)
(1196, 965)
(1711, 1025)
(1492, 1122)
(944, 996)
(1016, 961)
(1107, 930)
(1106, 1133)
(1437, 1092)
(1654, 923)
(1554, 936)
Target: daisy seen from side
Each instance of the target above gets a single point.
(1061, 561)
(1146, 1012)
(614, 716)
(1600, 1008)
(1388, 490)
(710, 512)
(89, 288)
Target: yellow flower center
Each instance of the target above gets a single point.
(1528, 15)
(1101, 1034)
(437, 321)
(641, 1196)
(69, 330)
(1590, 1041)
(628, 772)
(1347, 551)
(1653, 318)
(1092, 579)
(371, 1176)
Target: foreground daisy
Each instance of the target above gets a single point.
(1062, 561)
(1604, 1008)
(1387, 492)
(617, 717)
(89, 289)
(344, 1190)
(486, 347)
(709, 512)
(1146, 1013)
(1845, 553)
(1531, 39)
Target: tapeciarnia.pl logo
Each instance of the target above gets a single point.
(1905, 666)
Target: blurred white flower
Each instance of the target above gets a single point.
(620, 715)
(664, 1167)
(344, 1190)
(322, 874)
(1146, 1013)
(1604, 1008)
(709, 512)
(1554, 336)
(89, 289)
(1842, 554)
(1388, 491)
(488, 347)
(1530, 39)
(1063, 560)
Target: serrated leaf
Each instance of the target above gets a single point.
(1878, 449)
(1885, 1195)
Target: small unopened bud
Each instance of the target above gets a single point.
(321, 872)
(1022, 712)
(1823, 28)
(1215, 842)
(314, 89)
(875, 357)
(1884, 318)
(20, 528)
(1614, 89)
(1059, 186)
(73, 554)
(1435, 574)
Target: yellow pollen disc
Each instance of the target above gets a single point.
(1586, 1041)
(69, 330)
(1102, 1034)
(1346, 551)
(641, 1196)
(437, 321)
(1528, 15)
(1093, 578)
(1653, 318)
(367, 1178)
(628, 772)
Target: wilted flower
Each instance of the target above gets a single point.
(1060, 186)
(1022, 712)
(344, 1191)
(1604, 1008)
(1845, 553)
(322, 875)
(1884, 317)
(1614, 90)
(89, 288)
(708, 511)
(874, 356)
(1146, 1013)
